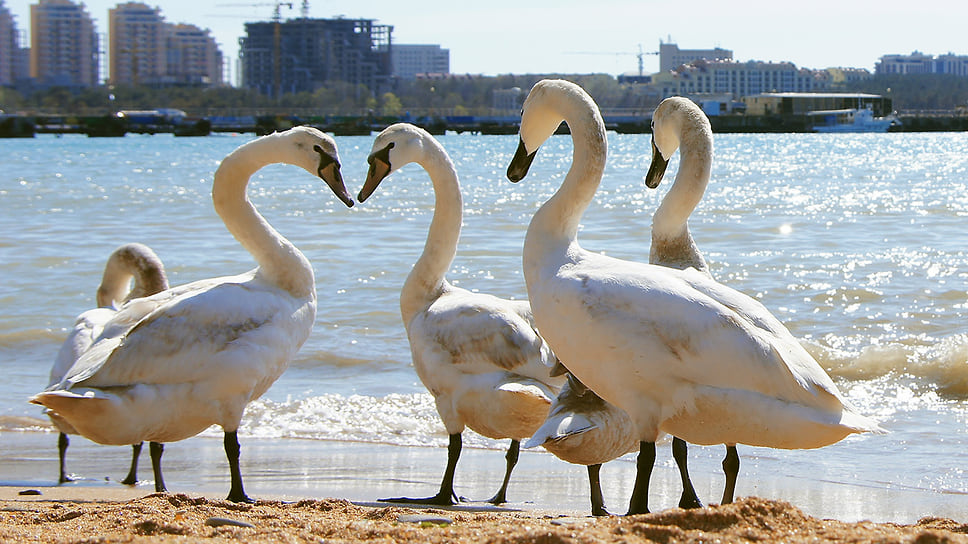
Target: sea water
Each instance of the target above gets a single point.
(857, 242)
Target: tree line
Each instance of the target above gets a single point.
(455, 95)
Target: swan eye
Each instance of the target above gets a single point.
(382, 155)
(325, 160)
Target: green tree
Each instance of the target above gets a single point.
(390, 104)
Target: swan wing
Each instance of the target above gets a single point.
(478, 334)
(682, 326)
(559, 427)
(758, 320)
(195, 334)
(87, 327)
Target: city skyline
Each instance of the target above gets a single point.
(502, 37)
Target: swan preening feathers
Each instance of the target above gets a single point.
(132, 271)
(168, 366)
(478, 355)
(677, 351)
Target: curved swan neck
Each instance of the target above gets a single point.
(131, 261)
(672, 244)
(558, 219)
(280, 263)
(426, 281)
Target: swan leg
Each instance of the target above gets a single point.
(62, 443)
(132, 477)
(446, 496)
(639, 504)
(595, 487)
(156, 449)
(679, 453)
(232, 450)
(512, 459)
(731, 469)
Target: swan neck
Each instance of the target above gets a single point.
(426, 281)
(555, 224)
(280, 262)
(669, 223)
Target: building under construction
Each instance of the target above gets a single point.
(302, 55)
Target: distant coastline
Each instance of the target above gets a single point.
(24, 126)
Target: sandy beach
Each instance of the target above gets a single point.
(323, 491)
(95, 516)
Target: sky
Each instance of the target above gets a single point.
(494, 37)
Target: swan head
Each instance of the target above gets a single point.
(541, 114)
(315, 151)
(136, 261)
(398, 145)
(669, 121)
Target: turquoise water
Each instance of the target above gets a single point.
(857, 242)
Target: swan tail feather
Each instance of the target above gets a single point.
(861, 424)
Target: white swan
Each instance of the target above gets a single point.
(478, 355)
(583, 428)
(677, 351)
(678, 123)
(130, 261)
(168, 366)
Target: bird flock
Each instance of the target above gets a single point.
(604, 357)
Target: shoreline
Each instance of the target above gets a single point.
(295, 469)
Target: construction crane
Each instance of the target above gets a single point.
(640, 55)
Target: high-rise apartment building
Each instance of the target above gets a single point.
(193, 57)
(63, 44)
(137, 37)
(409, 60)
(13, 65)
(302, 55)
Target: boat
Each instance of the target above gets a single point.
(191, 126)
(16, 126)
(850, 120)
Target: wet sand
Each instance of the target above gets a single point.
(312, 490)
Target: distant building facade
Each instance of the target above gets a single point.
(136, 33)
(147, 50)
(920, 63)
(840, 77)
(508, 101)
(737, 79)
(671, 57)
(64, 46)
(192, 56)
(302, 55)
(407, 61)
(13, 56)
